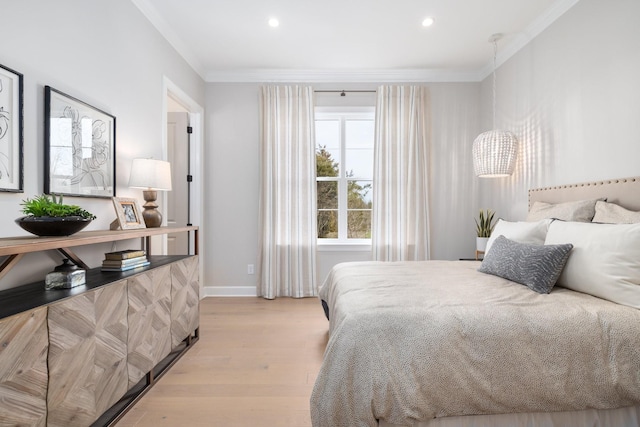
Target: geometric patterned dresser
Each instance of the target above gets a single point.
(82, 356)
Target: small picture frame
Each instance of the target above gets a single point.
(11, 130)
(128, 214)
(80, 144)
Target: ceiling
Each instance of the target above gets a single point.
(343, 40)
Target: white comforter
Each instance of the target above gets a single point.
(417, 340)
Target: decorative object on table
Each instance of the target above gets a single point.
(484, 227)
(80, 140)
(11, 128)
(495, 151)
(124, 260)
(65, 276)
(128, 214)
(48, 216)
(151, 175)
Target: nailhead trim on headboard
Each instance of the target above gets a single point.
(625, 198)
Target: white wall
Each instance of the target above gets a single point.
(572, 95)
(232, 194)
(106, 53)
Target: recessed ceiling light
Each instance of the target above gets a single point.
(273, 22)
(428, 21)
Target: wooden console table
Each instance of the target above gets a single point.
(15, 247)
(83, 356)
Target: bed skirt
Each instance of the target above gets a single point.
(620, 417)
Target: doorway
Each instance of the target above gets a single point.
(178, 198)
(183, 205)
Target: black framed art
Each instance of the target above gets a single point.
(11, 130)
(80, 144)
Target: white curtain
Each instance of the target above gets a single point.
(287, 259)
(400, 219)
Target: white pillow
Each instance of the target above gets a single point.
(605, 261)
(521, 232)
(610, 213)
(581, 210)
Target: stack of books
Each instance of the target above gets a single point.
(124, 260)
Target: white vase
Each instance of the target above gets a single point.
(481, 243)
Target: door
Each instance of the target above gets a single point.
(177, 199)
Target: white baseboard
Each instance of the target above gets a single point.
(230, 291)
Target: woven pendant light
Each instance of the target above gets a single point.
(495, 151)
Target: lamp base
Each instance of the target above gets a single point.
(152, 217)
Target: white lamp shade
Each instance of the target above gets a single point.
(150, 174)
(495, 153)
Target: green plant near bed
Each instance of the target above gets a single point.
(485, 223)
(46, 205)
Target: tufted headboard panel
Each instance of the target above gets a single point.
(624, 192)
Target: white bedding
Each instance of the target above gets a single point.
(410, 342)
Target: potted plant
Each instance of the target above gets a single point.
(484, 227)
(46, 215)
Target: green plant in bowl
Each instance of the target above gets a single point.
(45, 205)
(46, 215)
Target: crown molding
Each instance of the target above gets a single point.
(339, 76)
(151, 13)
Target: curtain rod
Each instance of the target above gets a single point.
(344, 92)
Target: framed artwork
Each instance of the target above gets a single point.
(80, 144)
(11, 128)
(128, 213)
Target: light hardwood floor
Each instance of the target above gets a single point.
(254, 365)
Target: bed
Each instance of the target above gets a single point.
(439, 343)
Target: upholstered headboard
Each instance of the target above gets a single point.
(624, 192)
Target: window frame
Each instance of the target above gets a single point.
(343, 114)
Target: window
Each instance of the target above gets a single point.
(344, 173)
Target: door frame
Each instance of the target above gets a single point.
(196, 117)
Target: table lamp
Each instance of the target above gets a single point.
(150, 175)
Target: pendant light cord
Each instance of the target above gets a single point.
(495, 53)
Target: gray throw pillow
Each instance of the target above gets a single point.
(535, 266)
